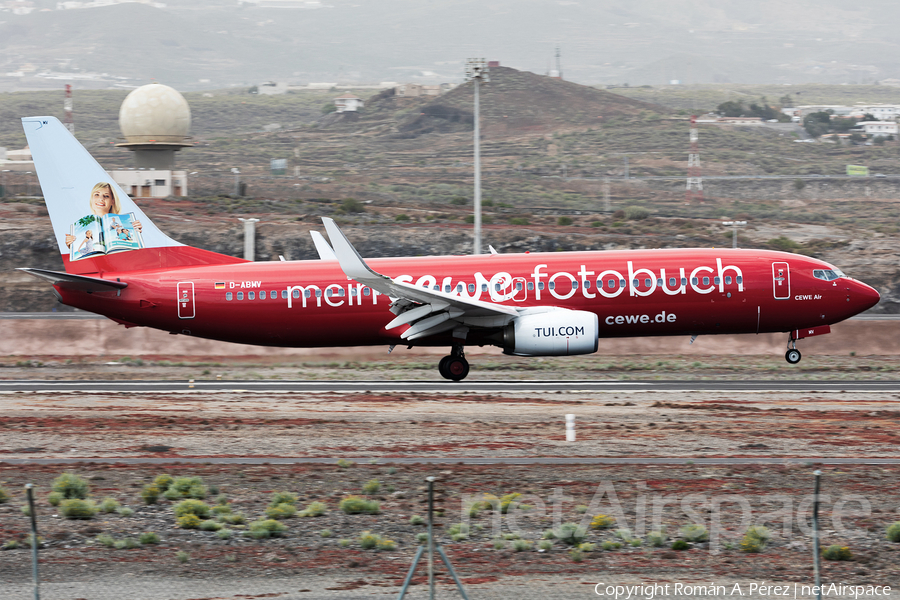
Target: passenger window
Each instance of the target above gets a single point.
(228, 295)
(659, 282)
(574, 285)
(447, 288)
(240, 295)
(251, 295)
(728, 280)
(621, 283)
(587, 284)
(366, 291)
(307, 293)
(706, 281)
(295, 293)
(459, 288)
(684, 281)
(496, 287)
(552, 285)
(341, 292)
(273, 294)
(262, 295)
(354, 291)
(318, 293)
(671, 282)
(329, 292)
(436, 288)
(541, 285)
(483, 287)
(471, 288)
(694, 281)
(716, 280)
(739, 279)
(518, 285)
(611, 284)
(648, 282)
(530, 285)
(284, 294)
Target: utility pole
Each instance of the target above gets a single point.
(477, 72)
(734, 225)
(606, 208)
(67, 109)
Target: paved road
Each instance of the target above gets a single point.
(438, 386)
(541, 460)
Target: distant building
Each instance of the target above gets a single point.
(416, 90)
(16, 160)
(151, 183)
(348, 103)
(876, 128)
(882, 112)
(272, 88)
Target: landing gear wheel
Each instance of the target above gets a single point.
(457, 368)
(442, 367)
(792, 356)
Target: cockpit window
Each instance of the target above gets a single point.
(827, 274)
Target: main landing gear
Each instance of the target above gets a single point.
(455, 366)
(793, 355)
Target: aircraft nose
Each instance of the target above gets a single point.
(862, 296)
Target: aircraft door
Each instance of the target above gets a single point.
(520, 289)
(185, 298)
(781, 280)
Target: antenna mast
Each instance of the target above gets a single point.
(559, 73)
(694, 178)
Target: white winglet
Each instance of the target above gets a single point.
(322, 247)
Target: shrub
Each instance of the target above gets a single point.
(29, 541)
(422, 537)
(281, 511)
(679, 545)
(326, 533)
(602, 522)
(511, 501)
(71, 486)
(283, 498)
(624, 535)
(548, 534)
(694, 533)
(150, 494)
(26, 510)
(402, 218)
(233, 518)
(519, 221)
(610, 545)
(189, 487)
(570, 533)
(182, 556)
(522, 545)
(222, 500)
(656, 538)
(636, 213)
(371, 487)
(589, 547)
(416, 520)
(4, 495)
(275, 528)
(545, 545)
(564, 221)
(369, 540)
(576, 555)
(499, 544)
(224, 534)
(54, 498)
(315, 509)
(108, 505)
(260, 534)
(386, 544)
(106, 540)
(10, 545)
(221, 509)
(126, 544)
(171, 494)
(124, 511)
(344, 543)
(893, 532)
(191, 507)
(77, 509)
(162, 482)
(344, 463)
(581, 509)
(209, 526)
(458, 531)
(148, 537)
(352, 205)
(835, 552)
(353, 505)
(755, 538)
(510, 536)
(188, 521)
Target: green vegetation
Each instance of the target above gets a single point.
(191, 507)
(694, 533)
(150, 494)
(315, 509)
(370, 541)
(416, 520)
(564, 221)
(108, 505)
(893, 532)
(71, 486)
(54, 498)
(353, 505)
(755, 539)
(371, 487)
(281, 511)
(182, 556)
(570, 533)
(836, 552)
(264, 529)
(188, 521)
(680, 545)
(656, 538)
(126, 544)
(148, 537)
(602, 522)
(283, 498)
(77, 509)
(4, 495)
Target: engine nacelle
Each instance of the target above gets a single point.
(558, 332)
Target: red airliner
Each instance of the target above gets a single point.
(118, 264)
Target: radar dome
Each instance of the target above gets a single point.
(155, 114)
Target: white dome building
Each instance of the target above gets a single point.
(155, 120)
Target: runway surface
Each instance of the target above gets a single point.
(541, 460)
(480, 387)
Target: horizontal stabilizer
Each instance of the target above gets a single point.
(76, 282)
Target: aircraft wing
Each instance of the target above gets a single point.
(324, 250)
(428, 311)
(77, 282)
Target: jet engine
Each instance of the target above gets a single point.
(558, 332)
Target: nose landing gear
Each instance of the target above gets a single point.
(793, 355)
(454, 367)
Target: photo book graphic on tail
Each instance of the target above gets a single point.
(109, 233)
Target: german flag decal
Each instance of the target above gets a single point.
(220, 286)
